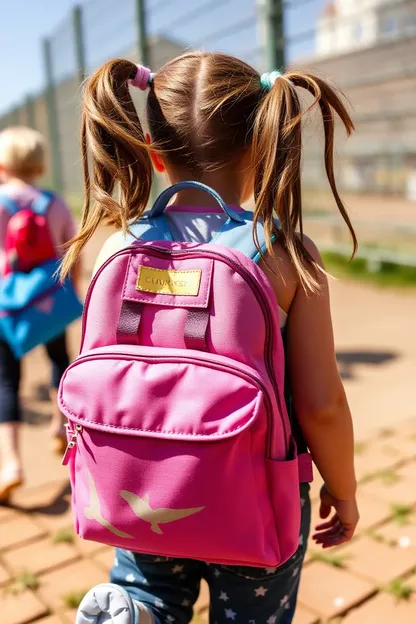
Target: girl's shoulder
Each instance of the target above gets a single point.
(282, 273)
(279, 269)
(112, 245)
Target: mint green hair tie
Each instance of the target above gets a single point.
(268, 79)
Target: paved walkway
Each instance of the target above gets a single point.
(44, 568)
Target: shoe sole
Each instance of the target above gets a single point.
(108, 599)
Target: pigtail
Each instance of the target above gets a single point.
(113, 145)
(277, 153)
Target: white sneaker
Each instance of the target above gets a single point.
(110, 603)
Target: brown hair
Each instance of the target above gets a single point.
(204, 112)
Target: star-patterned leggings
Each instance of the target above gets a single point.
(170, 587)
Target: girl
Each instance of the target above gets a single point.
(22, 162)
(214, 119)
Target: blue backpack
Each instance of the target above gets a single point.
(35, 307)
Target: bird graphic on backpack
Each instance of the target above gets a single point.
(143, 510)
(140, 506)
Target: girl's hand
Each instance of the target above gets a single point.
(341, 527)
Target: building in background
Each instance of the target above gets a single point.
(347, 25)
(369, 48)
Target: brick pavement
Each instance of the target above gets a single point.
(45, 568)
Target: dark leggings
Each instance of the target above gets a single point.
(10, 373)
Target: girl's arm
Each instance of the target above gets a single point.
(321, 405)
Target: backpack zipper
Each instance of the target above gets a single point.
(244, 273)
(72, 442)
(174, 359)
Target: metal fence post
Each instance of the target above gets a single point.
(30, 112)
(79, 42)
(14, 116)
(52, 118)
(272, 18)
(144, 57)
(142, 43)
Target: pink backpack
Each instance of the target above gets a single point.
(180, 443)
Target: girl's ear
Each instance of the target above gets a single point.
(157, 162)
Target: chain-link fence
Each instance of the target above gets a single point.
(367, 46)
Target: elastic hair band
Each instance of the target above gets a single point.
(143, 78)
(268, 79)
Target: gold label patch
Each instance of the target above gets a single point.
(169, 282)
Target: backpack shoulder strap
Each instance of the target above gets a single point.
(234, 235)
(239, 236)
(148, 229)
(9, 204)
(42, 202)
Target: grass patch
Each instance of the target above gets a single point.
(389, 274)
(368, 476)
(360, 448)
(63, 536)
(372, 534)
(401, 514)
(399, 589)
(77, 210)
(314, 212)
(387, 433)
(27, 580)
(73, 599)
(388, 477)
(390, 451)
(335, 561)
(75, 202)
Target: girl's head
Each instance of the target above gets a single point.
(207, 114)
(22, 154)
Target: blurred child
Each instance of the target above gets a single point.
(22, 162)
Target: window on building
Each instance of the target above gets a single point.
(410, 23)
(357, 33)
(389, 26)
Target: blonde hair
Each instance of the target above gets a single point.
(22, 150)
(205, 111)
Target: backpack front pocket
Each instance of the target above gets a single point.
(165, 437)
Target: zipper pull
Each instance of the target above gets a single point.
(68, 450)
(71, 444)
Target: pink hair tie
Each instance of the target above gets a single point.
(143, 78)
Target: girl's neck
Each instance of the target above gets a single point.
(226, 188)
